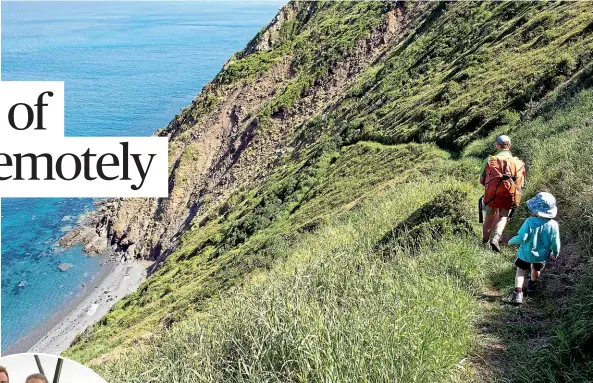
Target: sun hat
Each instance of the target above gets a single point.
(543, 205)
(502, 139)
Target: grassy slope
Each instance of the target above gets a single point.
(358, 288)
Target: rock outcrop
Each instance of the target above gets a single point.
(92, 230)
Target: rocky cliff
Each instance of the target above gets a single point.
(239, 127)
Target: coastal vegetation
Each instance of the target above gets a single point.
(353, 254)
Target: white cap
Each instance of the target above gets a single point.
(503, 139)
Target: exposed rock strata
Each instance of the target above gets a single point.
(227, 147)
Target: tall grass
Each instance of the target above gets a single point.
(338, 311)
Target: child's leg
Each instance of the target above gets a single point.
(536, 270)
(535, 273)
(522, 266)
(519, 279)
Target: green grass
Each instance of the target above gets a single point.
(216, 254)
(337, 310)
(468, 69)
(312, 46)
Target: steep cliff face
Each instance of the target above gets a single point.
(240, 126)
(304, 65)
(326, 176)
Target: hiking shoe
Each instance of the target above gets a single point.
(517, 298)
(494, 243)
(531, 287)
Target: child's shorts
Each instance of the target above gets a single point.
(524, 265)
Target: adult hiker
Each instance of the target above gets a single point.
(503, 177)
(538, 240)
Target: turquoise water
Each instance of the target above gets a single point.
(128, 68)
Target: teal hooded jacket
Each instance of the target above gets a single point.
(537, 239)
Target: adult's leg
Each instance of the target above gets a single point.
(491, 217)
(499, 225)
(503, 218)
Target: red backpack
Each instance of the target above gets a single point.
(503, 182)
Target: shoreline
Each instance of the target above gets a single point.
(114, 281)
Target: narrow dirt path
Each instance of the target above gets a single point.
(507, 331)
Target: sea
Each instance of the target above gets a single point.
(128, 68)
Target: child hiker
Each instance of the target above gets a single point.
(538, 240)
